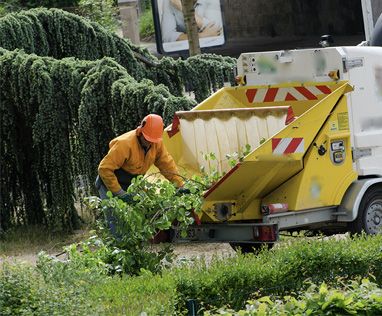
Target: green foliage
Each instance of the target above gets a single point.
(23, 291)
(234, 158)
(157, 207)
(17, 5)
(355, 298)
(146, 24)
(60, 34)
(278, 279)
(103, 12)
(285, 270)
(148, 293)
(63, 101)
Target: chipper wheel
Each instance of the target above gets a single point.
(369, 217)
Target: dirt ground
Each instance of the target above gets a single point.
(205, 251)
(184, 252)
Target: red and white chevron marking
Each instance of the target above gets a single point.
(286, 94)
(283, 146)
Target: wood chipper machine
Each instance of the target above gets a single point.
(313, 121)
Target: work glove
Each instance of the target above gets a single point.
(126, 197)
(182, 190)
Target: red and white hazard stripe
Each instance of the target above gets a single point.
(286, 94)
(283, 146)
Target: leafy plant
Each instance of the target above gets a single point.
(355, 298)
(281, 271)
(24, 291)
(157, 208)
(102, 12)
(146, 24)
(234, 158)
(288, 280)
(62, 102)
(17, 5)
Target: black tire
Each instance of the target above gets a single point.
(250, 247)
(369, 219)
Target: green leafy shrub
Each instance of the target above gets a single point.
(156, 209)
(355, 298)
(235, 280)
(146, 24)
(103, 12)
(17, 291)
(63, 101)
(17, 5)
(81, 285)
(23, 291)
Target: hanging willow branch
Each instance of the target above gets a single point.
(67, 87)
(60, 34)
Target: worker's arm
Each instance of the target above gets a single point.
(167, 166)
(112, 161)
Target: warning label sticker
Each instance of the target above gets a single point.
(343, 121)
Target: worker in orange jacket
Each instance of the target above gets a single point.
(132, 154)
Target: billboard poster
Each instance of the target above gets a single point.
(171, 35)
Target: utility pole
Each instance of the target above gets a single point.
(188, 8)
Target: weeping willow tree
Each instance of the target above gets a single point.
(67, 87)
(59, 34)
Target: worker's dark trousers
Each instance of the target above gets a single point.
(124, 179)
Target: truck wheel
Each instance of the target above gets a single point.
(250, 248)
(369, 217)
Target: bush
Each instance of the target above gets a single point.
(146, 24)
(277, 272)
(58, 114)
(23, 291)
(81, 287)
(129, 228)
(17, 5)
(149, 293)
(102, 12)
(355, 298)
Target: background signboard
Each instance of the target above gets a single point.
(170, 28)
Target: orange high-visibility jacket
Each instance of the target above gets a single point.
(126, 152)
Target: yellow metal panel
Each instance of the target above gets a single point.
(262, 171)
(236, 97)
(322, 182)
(305, 126)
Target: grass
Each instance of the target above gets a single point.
(152, 294)
(33, 239)
(80, 285)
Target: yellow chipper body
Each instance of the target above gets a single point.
(288, 168)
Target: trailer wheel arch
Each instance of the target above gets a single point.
(369, 214)
(352, 199)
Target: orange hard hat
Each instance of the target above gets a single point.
(152, 128)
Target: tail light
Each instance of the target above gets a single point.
(265, 233)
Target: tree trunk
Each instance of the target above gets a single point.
(191, 26)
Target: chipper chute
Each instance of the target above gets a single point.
(277, 159)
